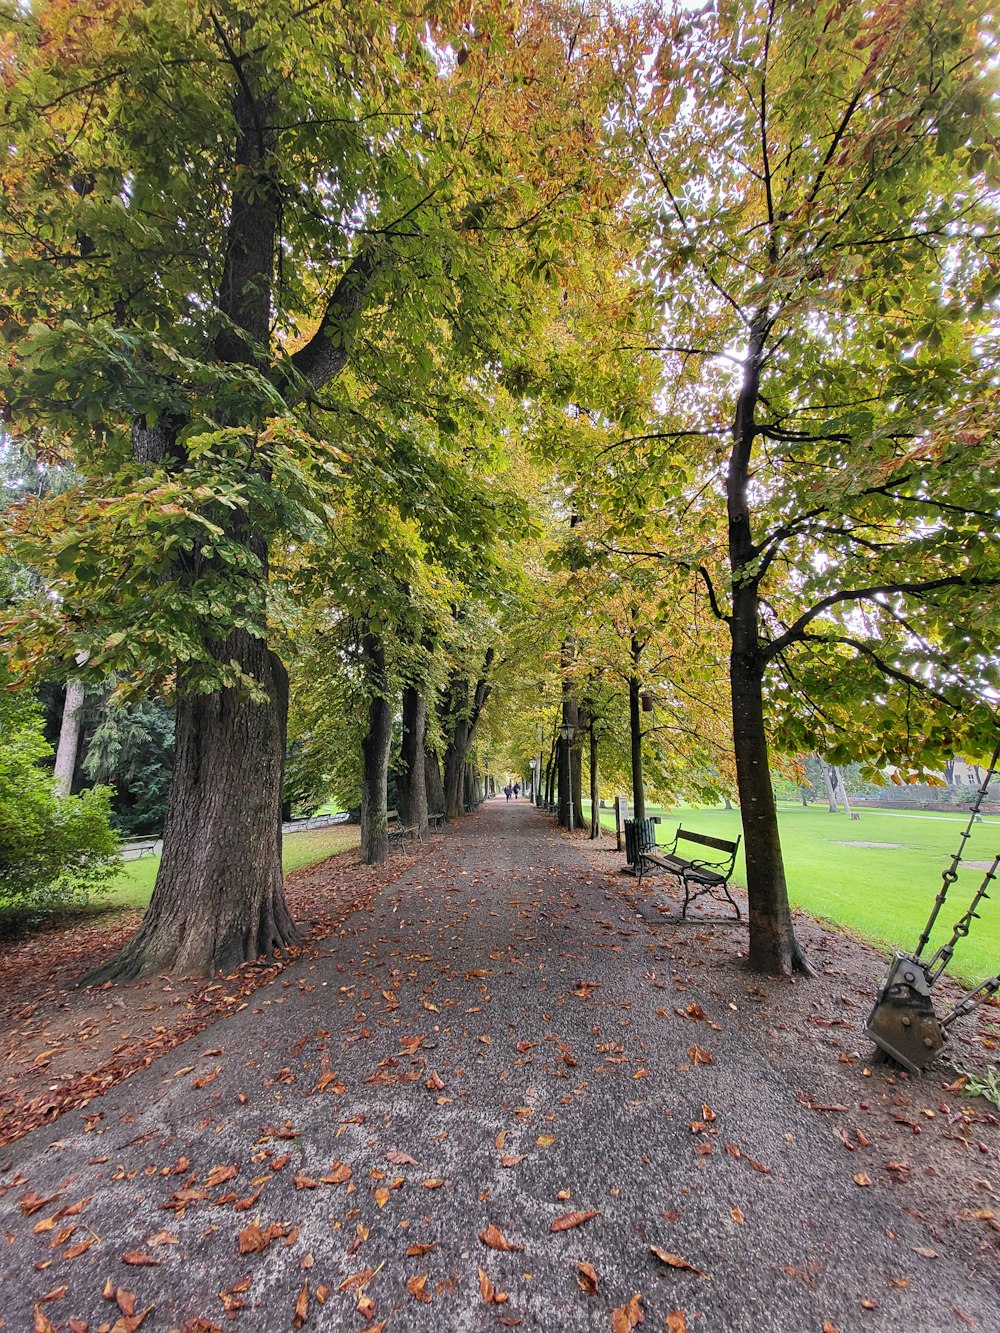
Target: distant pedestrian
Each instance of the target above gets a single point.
(508, 790)
(517, 789)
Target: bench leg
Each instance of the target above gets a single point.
(735, 905)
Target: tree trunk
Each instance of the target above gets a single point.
(843, 795)
(635, 733)
(831, 792)
(69, 738)
(460, 718)
(595, 800)
(773, 947)
(375, 754)
(219, 899)
(413, 775)
(454, 770)
(434, 785)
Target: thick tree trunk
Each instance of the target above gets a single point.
(434, 785)
(219, 899)
(454, 770)
(375, 754)
(773, 947)
(460, 717)
(413, 769)
(69, 738)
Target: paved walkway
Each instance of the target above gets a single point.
(497, 1045)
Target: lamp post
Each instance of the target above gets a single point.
(540, 737)
(531, 765)
(566, 734)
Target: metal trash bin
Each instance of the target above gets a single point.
(640, 836)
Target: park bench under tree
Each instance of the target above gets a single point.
(398, 832)
(698, 876)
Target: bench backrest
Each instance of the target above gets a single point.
(706, 840)
(390, 815)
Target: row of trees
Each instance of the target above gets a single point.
(486, 364)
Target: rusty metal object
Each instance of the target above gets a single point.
(903, 1023)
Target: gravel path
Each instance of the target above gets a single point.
(501, 1043)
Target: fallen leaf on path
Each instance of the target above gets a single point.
(138, 1258)
(42, 1323)
(699, 1056)
(862, 1178)
(338, 1174)
(489, 1292)
(924, 1252)
(252, 1239)
(129, 1323)
(628, 1316)
(357, 1280)
(415, 1286)
(737, 1215)
(494, 1238)
(417, 1249)
(675, 1261)
(434, 1183)
(162, 1238)
(400, 1158)
(513, 1158)
(301, 1306)
(219, 1175)
(676, 1323)
(570, 1220)
(830, 1328)
(587, 1278)
(545, 1140)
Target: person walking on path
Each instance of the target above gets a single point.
(498, 1086)
(517, 788)
(507, 791)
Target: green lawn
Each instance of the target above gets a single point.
(883, 893)
(133, 884)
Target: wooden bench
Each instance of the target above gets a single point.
(435, 819)
(697, 876)
(397, 832)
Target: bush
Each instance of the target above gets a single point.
(53, 850)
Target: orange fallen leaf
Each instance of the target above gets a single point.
(830, 1328)
(417, 1249)
(358, 1280)
(382, 1196)
(219, 1175)
(434, 1183)
(129, 1323)
(862, 1178)
(737, 1215)
(628, 1316)
(512, 1158)
(301, 1306)
(42, 1323)
(676, 1323)
(545, 1140)
(338, 1174)
(489, 1292)
(699, 1056)
(494, 1238)
(570, 1220)
(138, 1258)
(675, 1261)
(400, 1158)
(416, 1287)
(587, 1278)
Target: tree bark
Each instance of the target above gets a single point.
(635, 734)
(69, 738)
(831, 793)
(773, 946)
(595, 800)
(842, 787)
(375, 754)
(460, 716)
(413, 769)
(219, 899)
(434, 785)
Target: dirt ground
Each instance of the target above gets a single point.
(63, 1045)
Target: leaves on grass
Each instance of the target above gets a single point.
(494, 1238)
(675, 1261)
(570, 1220)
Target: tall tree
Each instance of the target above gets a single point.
(198, 246)
(821, 240)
